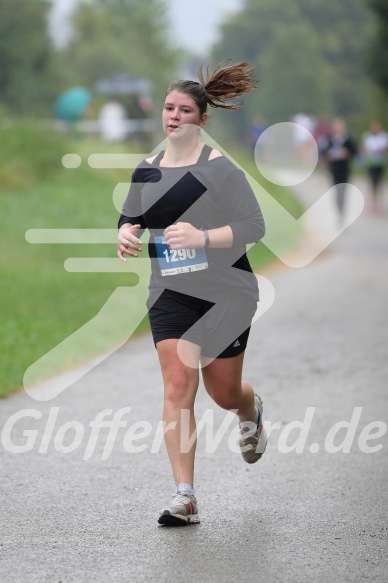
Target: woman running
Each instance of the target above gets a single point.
(201, 213)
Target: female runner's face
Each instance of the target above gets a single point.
(180, 110)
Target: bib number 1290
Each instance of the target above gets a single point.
(174, 261)
(178, 254)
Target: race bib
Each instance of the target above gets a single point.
(174, 261)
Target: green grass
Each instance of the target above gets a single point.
(42, 303)
(286, 235)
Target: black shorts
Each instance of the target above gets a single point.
(376, 174)
(221, 328)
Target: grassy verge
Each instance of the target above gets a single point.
(42, 303)
(286, 234)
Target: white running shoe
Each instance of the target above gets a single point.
(254, 441)
(182, 510)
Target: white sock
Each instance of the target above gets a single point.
(184, 486)
(247, 425)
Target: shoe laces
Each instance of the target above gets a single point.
(247, 433)
(182, 496)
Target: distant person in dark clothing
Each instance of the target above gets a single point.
(258, 126)
(339, 153)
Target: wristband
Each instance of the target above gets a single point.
(206, 239)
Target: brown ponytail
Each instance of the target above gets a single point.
(226, 83)
(217, 88)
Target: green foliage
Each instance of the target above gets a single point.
(28, 155)
(120, 36)
(108, 37)
(293, 79)
(25, 56)
(378, 55)
(343, 29)
(41, 303)
(307, 53)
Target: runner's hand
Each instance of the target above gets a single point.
(184, 236)
(128, 243)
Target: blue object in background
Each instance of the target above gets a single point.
(72, 104)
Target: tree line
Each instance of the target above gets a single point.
(108, 37)
(308, 54)
(311, 55)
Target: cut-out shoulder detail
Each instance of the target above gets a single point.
(215, 154)
(150, 160)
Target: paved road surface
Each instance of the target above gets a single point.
(311, 516)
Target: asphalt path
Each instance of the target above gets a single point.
(307, 512)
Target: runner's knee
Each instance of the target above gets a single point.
(225, 394)
(180, 388)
